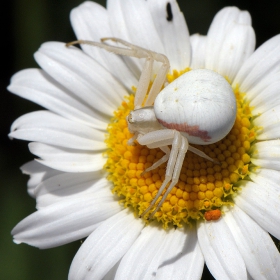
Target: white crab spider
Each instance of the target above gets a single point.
(198, 108)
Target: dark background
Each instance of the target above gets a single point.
(25, 25)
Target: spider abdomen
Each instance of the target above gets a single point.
(200, 104)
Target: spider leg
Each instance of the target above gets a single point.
(159, 80)
(147, 70)
(180, 146)
(130, 141)
(202, 154)
(160, 161)
(138, 52)
(176, 172)
(176, 144)
(150, 140)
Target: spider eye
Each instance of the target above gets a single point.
(130, 118)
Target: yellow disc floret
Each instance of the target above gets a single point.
(204, 187)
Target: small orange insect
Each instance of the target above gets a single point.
(212, 215)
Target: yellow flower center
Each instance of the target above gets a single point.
(204, 187)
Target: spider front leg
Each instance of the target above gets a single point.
(175, 161)
(145, 78)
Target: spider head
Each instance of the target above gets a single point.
(143, 120)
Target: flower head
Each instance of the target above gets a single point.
(90, 182)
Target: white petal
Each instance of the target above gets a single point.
(198, 44)
(120, 30)
(68, 160)
(267, 154)
(49, 128)
(67, 185)
(81, 75)
(117, 20)
(266, 176)
(261, 257)
(263, 62)
(105, 246)
(112, 272)
(138, 17)
(266, 99)
(38, 172)
(237, 46)
(262, 202)
(221, 48)
(90, 21)
(184, 259)
(35, 85)
(220, 251)
(173, 33)
(269, 122)
(143, 258)
(257, 93)
(66, 221)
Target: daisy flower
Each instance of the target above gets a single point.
(88, 182)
